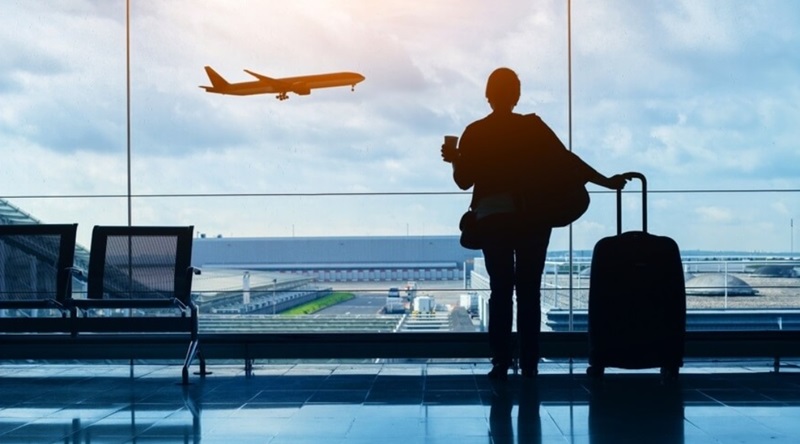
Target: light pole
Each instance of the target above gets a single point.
(274, 301)
(246, 288)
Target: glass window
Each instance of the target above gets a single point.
(333, 195)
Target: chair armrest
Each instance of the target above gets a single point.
(69, 273)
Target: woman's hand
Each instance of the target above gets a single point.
(449, 153)
(617, 181)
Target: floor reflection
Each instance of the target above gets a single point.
(635, 410)
(69, 410)
(395, 403)
(503, 398)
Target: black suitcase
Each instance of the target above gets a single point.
(637, 300)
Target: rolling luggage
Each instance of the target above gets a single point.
(637, 300)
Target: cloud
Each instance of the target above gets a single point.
(21, 63)
(63, 68)
(694, 94)
(715, 215)
(705, 27)
(618, 140)
(781, 208)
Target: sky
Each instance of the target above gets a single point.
(699, 95)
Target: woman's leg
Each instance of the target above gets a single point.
(531, 253)
(498, 255)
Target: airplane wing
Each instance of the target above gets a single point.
(296, 86)
(277, 84)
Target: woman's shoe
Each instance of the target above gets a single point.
(498, 373)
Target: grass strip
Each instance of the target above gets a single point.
(318, 304)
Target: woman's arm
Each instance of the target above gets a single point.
(615, 182)
(463, 174)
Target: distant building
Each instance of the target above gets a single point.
(777, 271)
(341, 259)
(718, 284)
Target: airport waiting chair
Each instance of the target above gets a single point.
(35, 277)
(139, 282)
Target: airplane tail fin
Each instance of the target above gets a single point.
(217, 81)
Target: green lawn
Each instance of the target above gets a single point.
(318, 304)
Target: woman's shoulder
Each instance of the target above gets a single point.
(495, 119)
(480, 122)
(477, 127)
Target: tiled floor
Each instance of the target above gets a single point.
(397, 403)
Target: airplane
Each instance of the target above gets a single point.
(301, 85)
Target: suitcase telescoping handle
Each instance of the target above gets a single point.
(640, 176)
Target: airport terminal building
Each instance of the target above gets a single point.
(341, 259)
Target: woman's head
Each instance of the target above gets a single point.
(503, 89)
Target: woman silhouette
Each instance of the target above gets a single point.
(494, 157)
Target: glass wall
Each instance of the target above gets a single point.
(702, 97)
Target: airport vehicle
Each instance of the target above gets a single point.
(394, 303)
(424, 305)
(469, 301)
(301, 85)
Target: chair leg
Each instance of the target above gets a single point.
(190, 354)
(203, 371)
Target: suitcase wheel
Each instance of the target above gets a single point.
(595, 371)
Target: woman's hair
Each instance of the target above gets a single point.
(503, 87)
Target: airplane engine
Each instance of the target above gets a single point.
(301, 90)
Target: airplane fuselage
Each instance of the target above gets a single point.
(301, 85)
